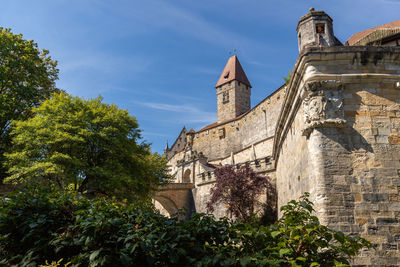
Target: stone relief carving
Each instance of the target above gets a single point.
(189, 143)
(323, 105)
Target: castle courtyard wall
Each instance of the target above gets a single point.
(236, 135)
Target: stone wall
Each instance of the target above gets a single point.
(233, 136)
(233, 99)
(338, 138)
(299, 166)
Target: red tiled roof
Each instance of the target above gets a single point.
(233, 71)
(191, 131)
(360, 35)
(212, 125)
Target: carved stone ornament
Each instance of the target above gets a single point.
(323, 105)
(189, 143)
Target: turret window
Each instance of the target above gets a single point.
(225, 97)
(320, 28)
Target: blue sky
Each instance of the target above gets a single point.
(161, 59)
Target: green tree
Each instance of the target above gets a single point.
(87, 143)
(27, 77)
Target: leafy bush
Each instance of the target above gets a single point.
(239, 189)
(298, 239)
(42, 226)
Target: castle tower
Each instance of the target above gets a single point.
(233, 91)
(315, 29)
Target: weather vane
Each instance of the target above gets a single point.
(234, 52)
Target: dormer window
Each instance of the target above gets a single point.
(226, 75)
(320, 28)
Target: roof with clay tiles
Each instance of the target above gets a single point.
(233, 71)
(360, 35)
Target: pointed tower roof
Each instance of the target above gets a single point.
(233, 71)
(166, 147)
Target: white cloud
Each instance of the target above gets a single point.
(188, 113)
(163, 14)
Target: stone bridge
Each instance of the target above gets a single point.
(175, 196)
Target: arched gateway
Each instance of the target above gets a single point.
(175, 196)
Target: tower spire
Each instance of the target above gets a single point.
(233, 91)
(166, 148)
(233, 71)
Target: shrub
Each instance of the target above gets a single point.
(239, 190)
(42, 225)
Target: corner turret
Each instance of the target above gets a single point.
(316, 29)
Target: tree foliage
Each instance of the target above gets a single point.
(27, 77)
(238, 189)
(87, 143)
(39, 225)
(288, 78)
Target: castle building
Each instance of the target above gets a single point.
(333, 130)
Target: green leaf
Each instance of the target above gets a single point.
(284, 251)
(275, 233)
(339, 236)
(134, 247)
(94, 254)
(301, 259)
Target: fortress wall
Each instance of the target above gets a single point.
(257, 151)
(234, 136)
(201, 195)
(353, 167)
(362, 166)
(298, 168)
